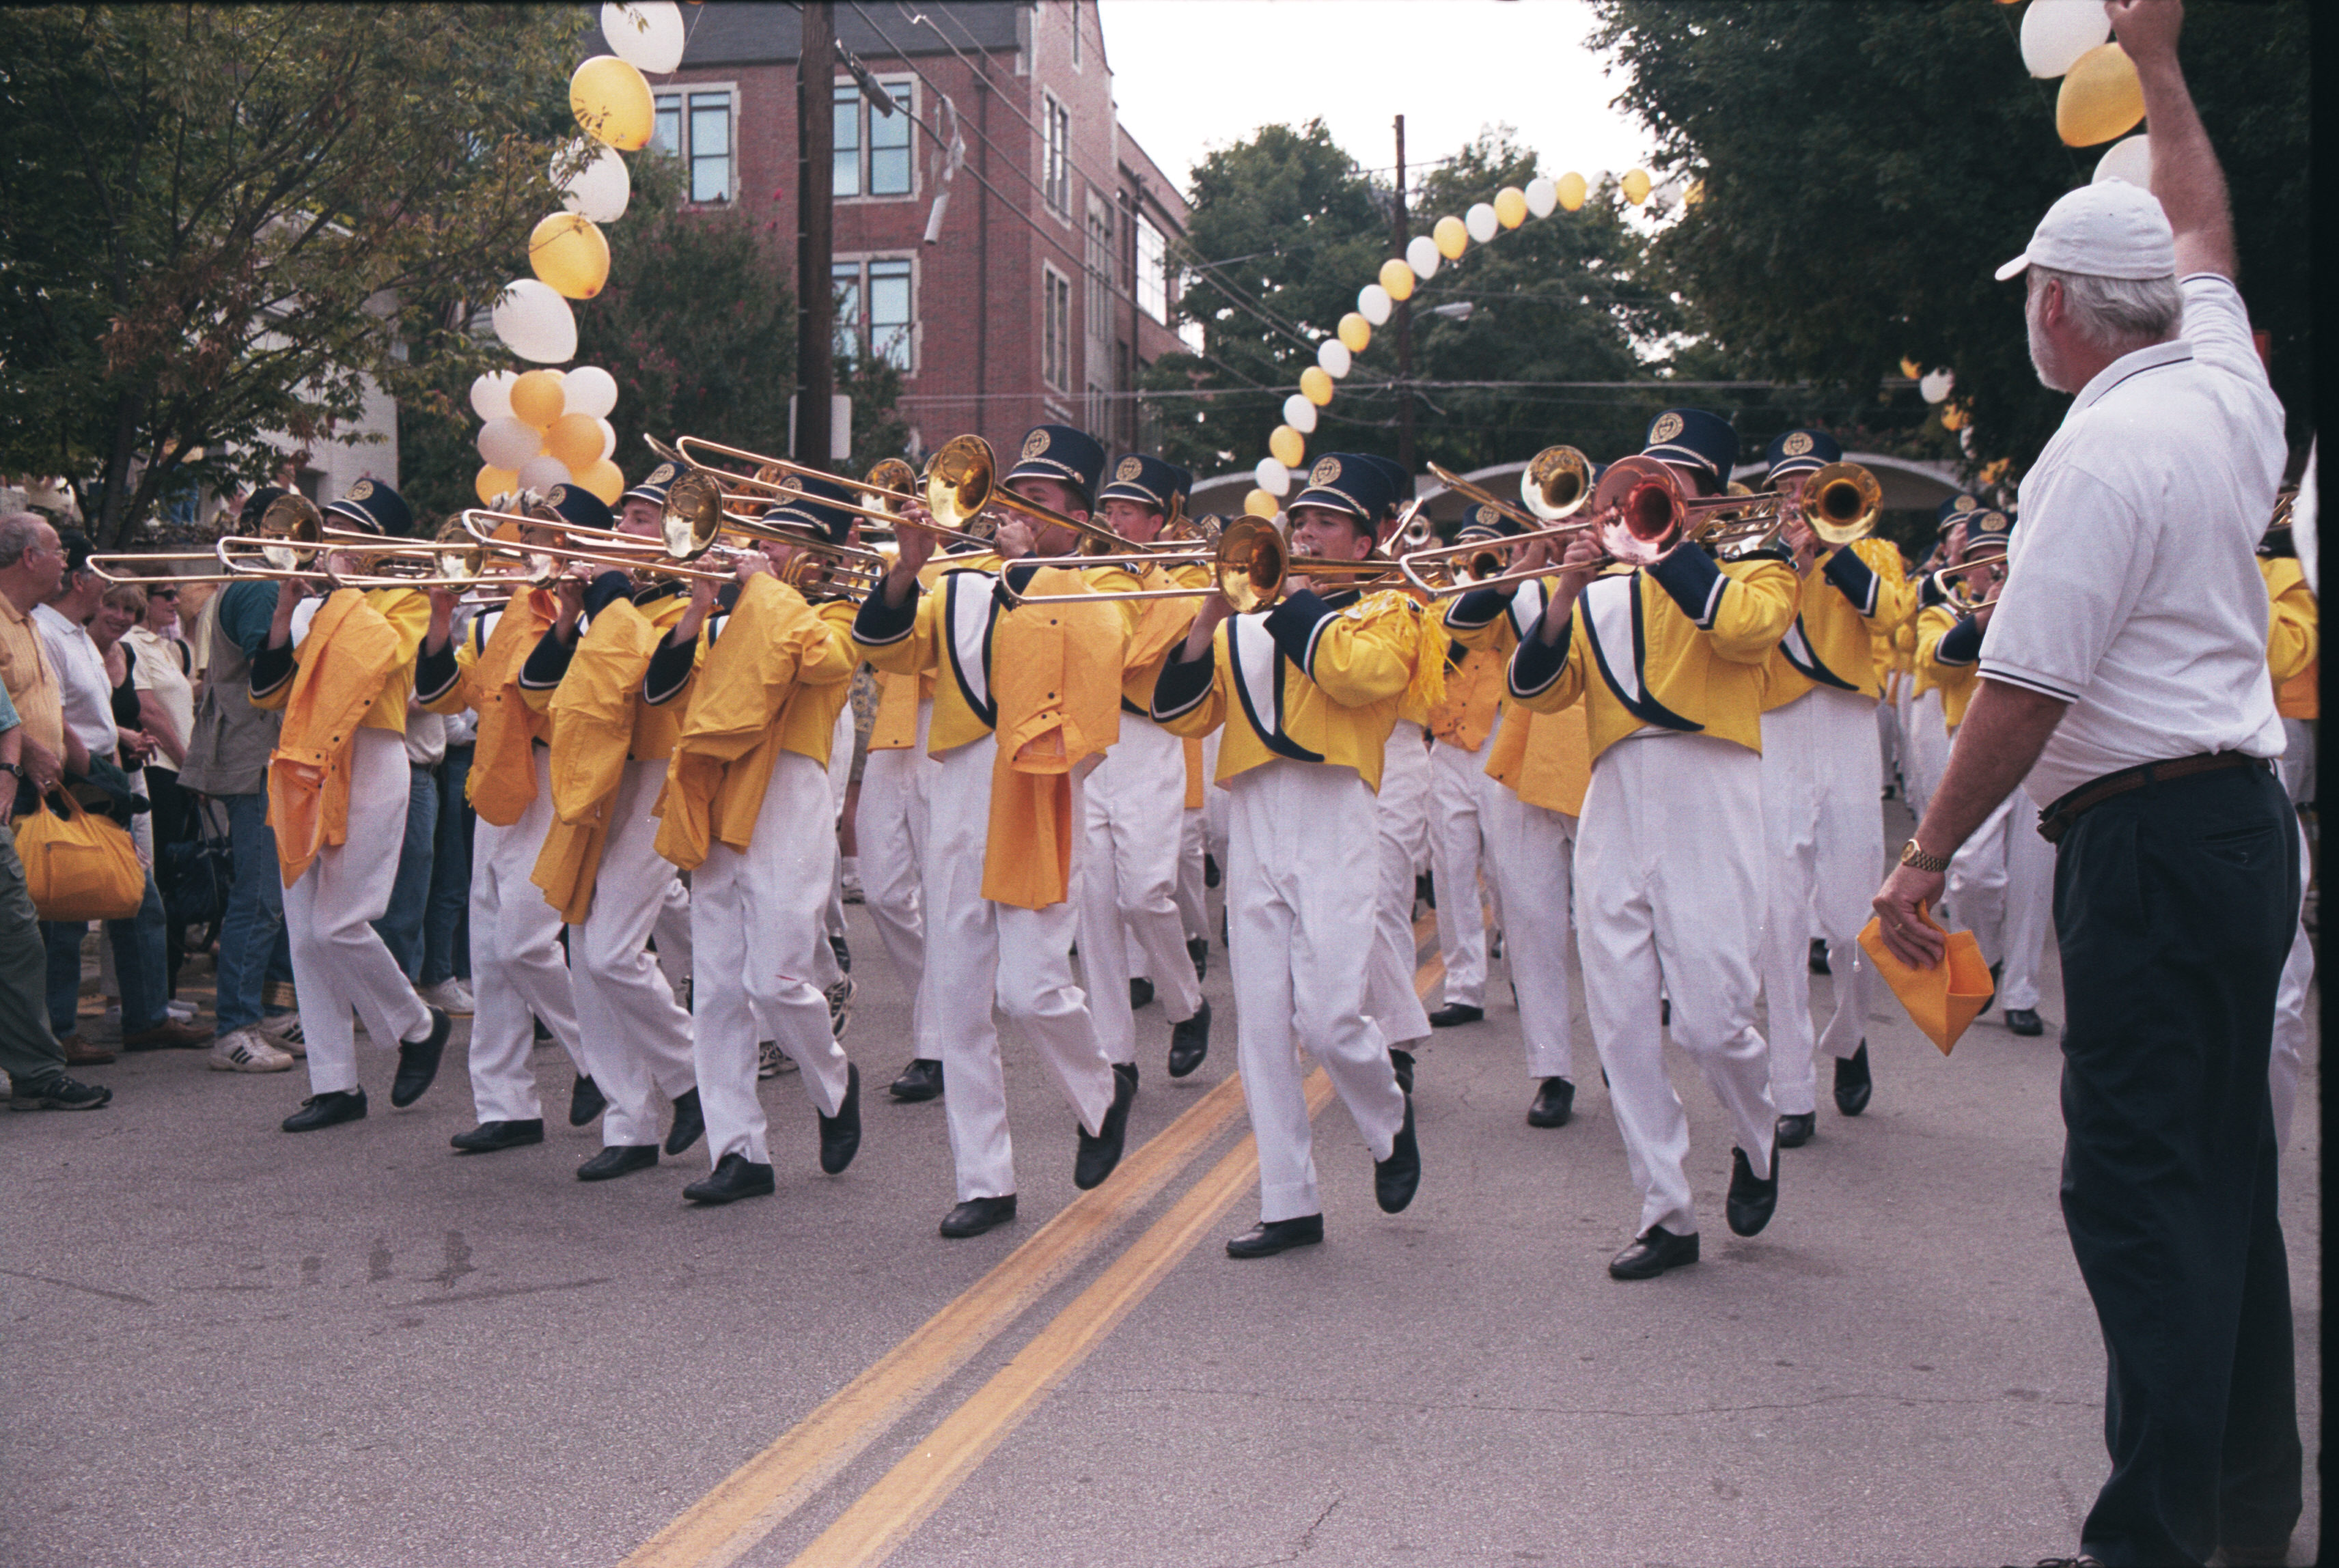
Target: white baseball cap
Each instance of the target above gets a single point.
(2110, 230)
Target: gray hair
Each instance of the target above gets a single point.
(18, 533)
(2118, 313)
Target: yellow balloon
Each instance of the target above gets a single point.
(494, 481)
(537, 398)
(600, 476)
(1397, 279)
(569, 253)
(611, 101)
(1572, 191)
(2100, 98)
(1510, 206)
(1636, 186)
(1286, 445)
(1356, 332)
(1695, 194)
(576, 440)
(1954, 417)
(1260, 504)
(1452, 237)
(1315, 386)
(1911, 369)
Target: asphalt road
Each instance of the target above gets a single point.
(227, 1345)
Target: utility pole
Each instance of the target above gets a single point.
(816, 205)
(1397, 227)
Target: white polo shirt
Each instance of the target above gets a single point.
(2132, 592)
(81, 681)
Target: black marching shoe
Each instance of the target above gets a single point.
(1554, 1103)
(1269, 1237)
(920, 1080)
(1751, 1200)
(618, 1160)
(586, 1100)
(1401, 1061)
(1140, 993)
(1190, 1042)
(1665, 1012)
(1653, 1252)
(734, 1177)
(1395, 1179)
(1209, 869)
(836, 945)
(417, 1062)
(689, 1123)
(490, 1136)
(1099, 1155)
(840, 1135)
(1198, 950)
(1996, 971)
(1452, 1013)
(1852, 1084)
(1820, 956)
(58, 1092)
(1794, 1131)
(1126, 1070)
(328, 1109)
(2024, 1020)
(977, 1214)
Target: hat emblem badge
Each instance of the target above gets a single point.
(1965, 504)
(1667, 427)
(1796, 445)
(662, 475)
(1130, 471)
(555, 496)
(1035, 445)
(359, 491)
(1326, 472)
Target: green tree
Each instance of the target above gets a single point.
(1867, 165)
(218, 222)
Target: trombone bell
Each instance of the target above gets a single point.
(1555, 483)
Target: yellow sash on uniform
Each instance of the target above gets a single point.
(730, 738)
(1055, 682)
(501, 785)
(350, 649)
(592, 729)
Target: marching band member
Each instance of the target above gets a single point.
(748, 811)
(1136, 803)
(519, 972)
(641, 510)
(599, 867)
(2293, 640)
(1000, 865)
(1401, 821)
(337, 784)
(1668, 660)
(2002, 878)
(1925, 737)
(1822, 791)
(890, 824)
(1309, 692)
(1462, 802)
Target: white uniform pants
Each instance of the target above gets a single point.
(1460, 796)
(1668, 870)
(755, 915)
(1193, 910)
(1300, 904)
(339, 962)
(637, 1036)
(1926, 745)
(2292, 1028)
(1824, 829)
(2002, 885)
(1136, 804)
(840, 736)
(890, 826)
(1887, 743)
(1531, 855)
(671, 931)
(519, 972)
(2296, 768)
(976, 950)
(1401, 832)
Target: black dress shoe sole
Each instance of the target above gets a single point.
(1750, 1203)
(1190, 1042)
(1552, 1109)
(1853, 1092)
(2025, 1022)
(689, 1124)
(618, 1160)
(1396, 1179)
(714, 1191)
(959, 1224)
(508, 1135)
(917, 1090)
(840, 1135)
(1655, 1260)
(1099, 1157)
(1266, 1238)
(304, 1120)
(1794, 1131)
(585, 1102)
(1453, 1017)
(417, 1062)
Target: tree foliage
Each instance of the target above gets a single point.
(218, 222)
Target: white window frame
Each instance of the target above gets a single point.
(1056, 157)
(861, 262)
(1076, 34)
(681, 94)
(1097, 259)
(1055, 335)
(904, 91)
(1153, 298)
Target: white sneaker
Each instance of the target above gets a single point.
(450, 996)
(283, 1030)
(185, 1011)
(247, 1050)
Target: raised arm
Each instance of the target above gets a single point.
(2186, 176)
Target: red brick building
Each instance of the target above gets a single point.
(1046, 288)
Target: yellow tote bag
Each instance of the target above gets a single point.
(79, 866)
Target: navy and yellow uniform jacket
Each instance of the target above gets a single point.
(479, 670)
(612, 595)
(1857, 595)
(409, 614)
(1545, 759)
(2292, 634)
(1949, 657)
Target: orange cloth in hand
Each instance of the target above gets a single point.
(350, 649)
(1942, 999)
(1055, 682)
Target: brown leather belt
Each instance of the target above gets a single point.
(2056, 819)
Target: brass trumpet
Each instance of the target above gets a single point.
(962, 481)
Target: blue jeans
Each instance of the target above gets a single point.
(446, 924)
(253, 948)
(140, 966)
(400, 925)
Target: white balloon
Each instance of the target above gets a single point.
(1421, 255)
(542, 472)
(2129, 160)
(608, 438)
(535, 322)
(1374, 304)
(1965, 440)
(589, 389)
(491, 395)
(1299, 413)
(1272, 477)
(1936, 384)
(1333, 355)
(648, 36)
(1543, 196)
(601, 189)
(2056, 33)
(1481, 221)
(507, 443)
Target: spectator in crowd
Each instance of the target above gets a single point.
(154, 696)
(29, 1052)
(445, 980)
(30, 563)
(400, 925)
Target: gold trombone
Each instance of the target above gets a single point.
(961, 482)
(1950, 582)
(1248, 561)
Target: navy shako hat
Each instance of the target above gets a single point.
(574, 504)
(1350, 483)
(1061, 453)
(1393, 471)
(1484, 522)
(1986, 527)
(375, 508)
(1946, 514)
(1148, 481)
(1695, 440)
(1801, 452)
(654, 484)
(809, 508)
(255, 507)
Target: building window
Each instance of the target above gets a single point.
(873, 148)
(1056, 337)
(696, 127)
(1099, 268)
(1152, 270)
(1076, 34)
(876, 311)
(1055, 173)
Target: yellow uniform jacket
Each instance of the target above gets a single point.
(1545, 759)
(353, 651)
(408, 614)
(1858, 596)
(2293, 641)
(481, 671)
(1948, 656)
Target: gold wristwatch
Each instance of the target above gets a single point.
(1912, 855)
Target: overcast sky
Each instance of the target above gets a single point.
(1192, 75)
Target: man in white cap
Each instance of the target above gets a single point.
(2124, 674)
